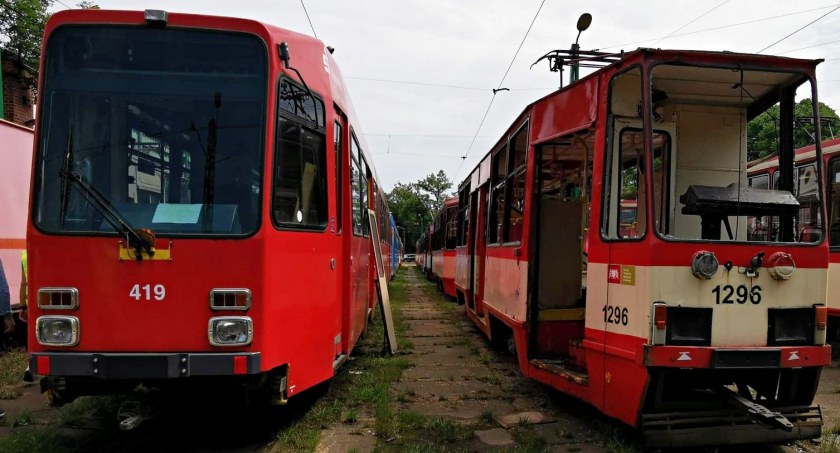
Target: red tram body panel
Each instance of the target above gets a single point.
(199, 207)
(443, 231)
(605, 240)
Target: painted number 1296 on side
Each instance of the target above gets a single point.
(147, 292)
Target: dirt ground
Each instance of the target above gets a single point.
(456, 377)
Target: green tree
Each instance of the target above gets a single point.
(22, 25)
(763, 130)
(414, 205)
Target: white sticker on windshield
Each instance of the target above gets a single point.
(177, 213)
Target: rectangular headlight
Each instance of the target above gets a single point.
(230, 331)
(57, 330)
(58, 298)
(790, 326)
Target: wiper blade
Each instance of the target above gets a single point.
(141, 240)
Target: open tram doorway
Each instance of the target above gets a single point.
(560, 222)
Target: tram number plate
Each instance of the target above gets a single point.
(740, 294)
(615, 315)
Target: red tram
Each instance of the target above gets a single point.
(673, 318)
(764, 174)
(199, 208)
(443, 236)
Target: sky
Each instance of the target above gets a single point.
(421, 73)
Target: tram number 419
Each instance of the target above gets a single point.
(615, 315)
(146, 292)
(728, 294)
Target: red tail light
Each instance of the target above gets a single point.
(660, 316)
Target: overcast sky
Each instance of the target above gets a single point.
(464, 47)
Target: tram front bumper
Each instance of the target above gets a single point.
(144, 366)
(737, 358)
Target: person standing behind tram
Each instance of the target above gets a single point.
(5, 309)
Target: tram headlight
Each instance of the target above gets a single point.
(704, 264)
(230, 331)
(57, 330)
(780, 265)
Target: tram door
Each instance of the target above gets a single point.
(478, 226)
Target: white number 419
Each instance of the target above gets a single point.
(146, 291)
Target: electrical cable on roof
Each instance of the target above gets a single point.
(809, 47)
(799, 29)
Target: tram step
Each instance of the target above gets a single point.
(561, 368)
(577, 353)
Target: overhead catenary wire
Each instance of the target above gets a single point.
(690, 22)
(440, 85)
(307, 18)
(721, 27)
(799, 29)
(495, 91)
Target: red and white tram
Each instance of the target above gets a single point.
(199, 209)
(605, 238)
(444, 232)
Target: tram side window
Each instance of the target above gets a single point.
(300, 196)
(515, 208)
(496, 223)
(662, 177)
(338, 137)
(356, 182)
(364, 203)
(834, 201)
(624, 205)
(463, 215)
(451, 227)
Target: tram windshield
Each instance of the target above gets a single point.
(707, 124)
(166, 126)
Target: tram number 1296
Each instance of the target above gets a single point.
(728, 294)
(615, 315)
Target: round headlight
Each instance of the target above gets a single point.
(704, 264)
(780, 265)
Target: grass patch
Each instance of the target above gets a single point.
(12, 365)
(830, 443)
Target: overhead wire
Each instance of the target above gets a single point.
(307, 18)
(439, 85)
(490, 105)
(690, 22)
(799, 29)
(738, 24)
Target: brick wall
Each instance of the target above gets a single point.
(17, 98)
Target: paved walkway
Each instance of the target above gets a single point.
(458, 376)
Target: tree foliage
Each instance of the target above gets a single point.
(763, 130)
(414, 205)
(22, 25)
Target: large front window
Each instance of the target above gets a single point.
(689, 179)
(161, 127)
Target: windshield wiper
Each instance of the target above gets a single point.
(140, 240)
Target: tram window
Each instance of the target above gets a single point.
(760, 182)
(519, 148)
(834, 201)
(300, 198)
(626, 218)
(364, 203)
(500, 164)
(662, 181)
(338, 137)
(451, 227)
(356, 183)
(516, 206)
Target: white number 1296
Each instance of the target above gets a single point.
(147, 291)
